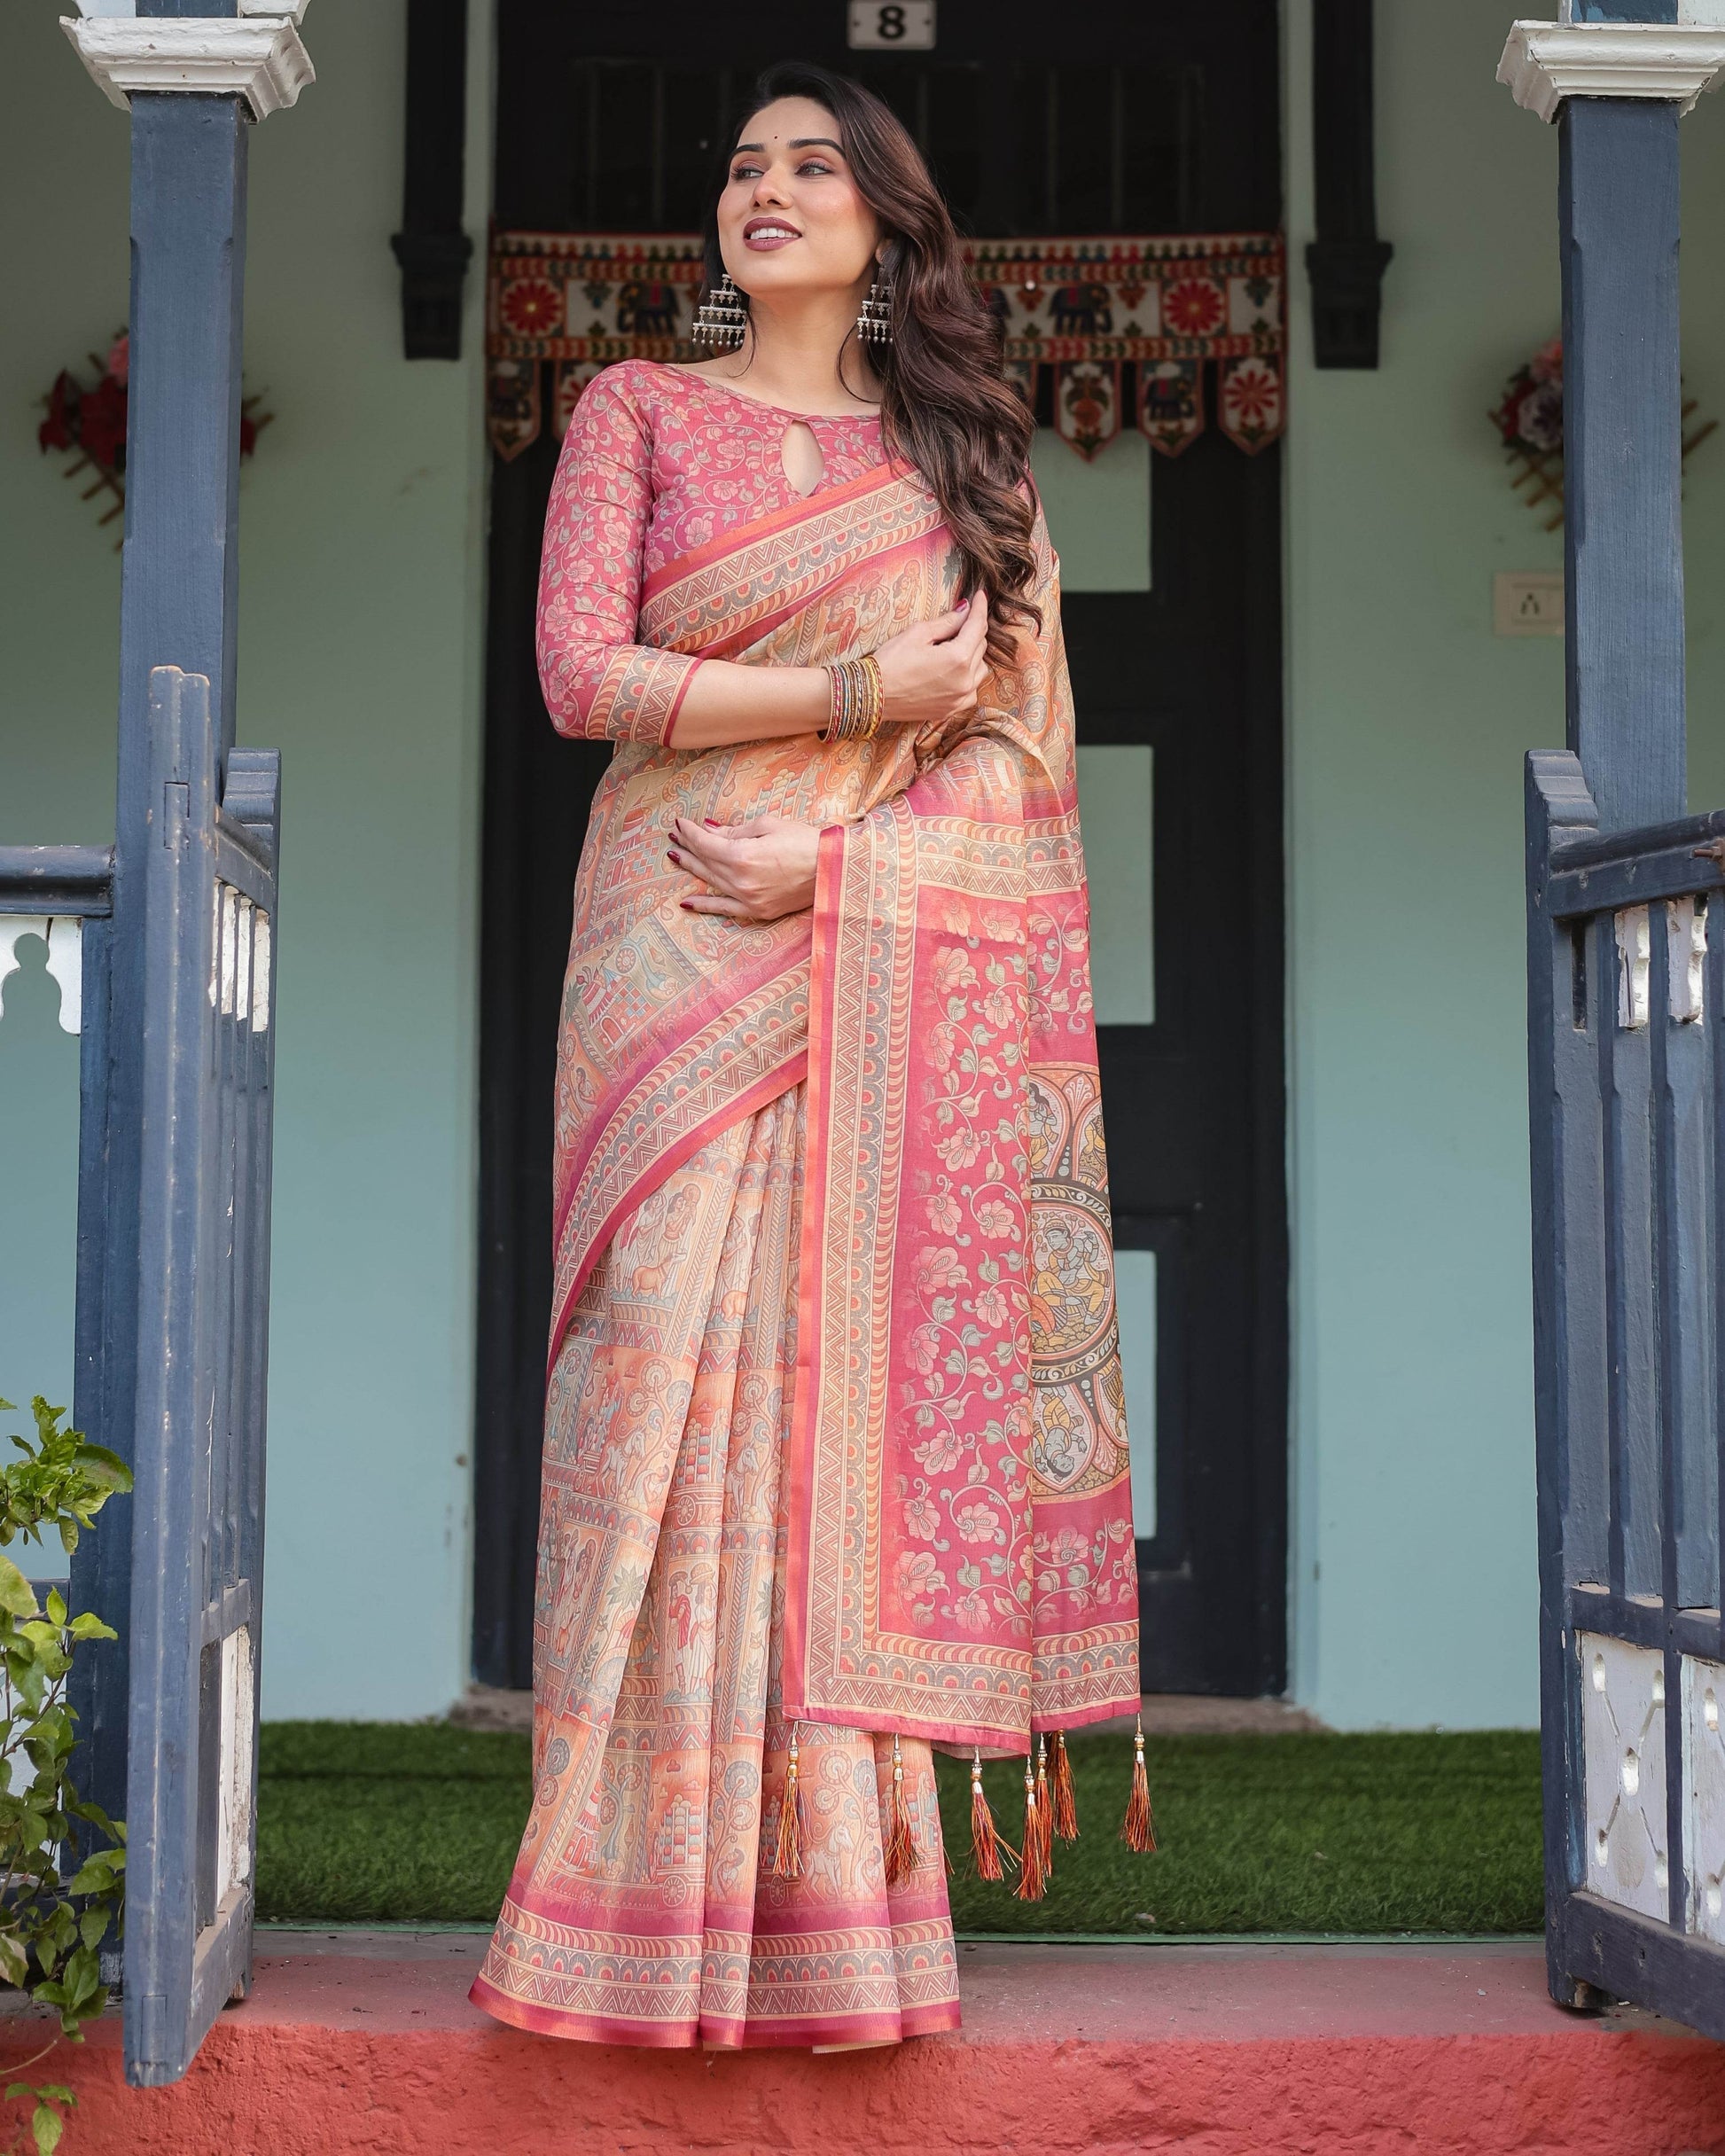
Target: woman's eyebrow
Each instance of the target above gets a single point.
(800, 142)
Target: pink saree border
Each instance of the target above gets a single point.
(807, 508)
(727, 2033)
(765, 1089)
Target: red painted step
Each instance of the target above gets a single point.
(1236, 2050)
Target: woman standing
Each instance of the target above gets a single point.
(835, 1458)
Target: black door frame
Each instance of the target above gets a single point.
(537, 791)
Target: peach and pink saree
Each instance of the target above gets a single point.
(834, 1430)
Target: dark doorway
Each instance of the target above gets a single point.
(1155, 118)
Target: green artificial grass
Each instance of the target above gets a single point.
(393, 1822)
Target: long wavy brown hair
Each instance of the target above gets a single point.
(945, 407)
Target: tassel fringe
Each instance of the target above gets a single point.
(787, 1854)
(1060, 1784)
(986, 1847)
(901, 1853)
(1044, 1808)
(1139, 1833)
(1032, 1880)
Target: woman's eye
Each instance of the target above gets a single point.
(746, 172)
(813, 164)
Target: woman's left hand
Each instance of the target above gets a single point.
(756, 871)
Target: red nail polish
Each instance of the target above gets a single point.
(711, 822)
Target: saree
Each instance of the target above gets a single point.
(835, 1437)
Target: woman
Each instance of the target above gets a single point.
(835, 1462)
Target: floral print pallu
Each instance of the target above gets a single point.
(835, 1441)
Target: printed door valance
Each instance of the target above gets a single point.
(1116, 323)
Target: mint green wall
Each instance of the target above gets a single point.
(1413, 1581)
(360, 521)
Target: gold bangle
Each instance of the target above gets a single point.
(870, 667)
(858, 699)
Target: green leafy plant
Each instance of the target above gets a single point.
(51, 1925)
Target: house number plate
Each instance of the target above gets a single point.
(908, 23)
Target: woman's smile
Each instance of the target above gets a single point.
(763, 235)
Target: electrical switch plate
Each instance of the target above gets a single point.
(1528, 603)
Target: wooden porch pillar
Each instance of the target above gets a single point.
(195, 78)
(1616, 75)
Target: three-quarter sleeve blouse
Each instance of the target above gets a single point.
(657, 463)
(597, 682)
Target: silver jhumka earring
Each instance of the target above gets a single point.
(874, 322)
(721, 317)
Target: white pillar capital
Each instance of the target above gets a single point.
(254, 55)
(1545, 62)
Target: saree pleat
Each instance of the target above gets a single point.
(643, 1908)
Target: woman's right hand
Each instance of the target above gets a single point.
(932, 672)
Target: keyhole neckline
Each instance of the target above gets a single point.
(799, 448)
(867, 416)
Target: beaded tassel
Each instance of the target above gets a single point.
(721, 317)
(1139, 1833)
(1066, 1799)
(902, 1855)
(787, 1855)
(1033, 1878)
(986, 1847)
(1044, 1808)
(874, 321)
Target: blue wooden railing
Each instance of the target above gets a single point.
(169, 1714)
(1627, 1005)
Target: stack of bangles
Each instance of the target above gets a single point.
(859, 702)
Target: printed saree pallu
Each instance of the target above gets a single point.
(835, 1437)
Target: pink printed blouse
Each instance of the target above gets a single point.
(657, 463)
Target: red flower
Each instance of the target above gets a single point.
(531, 306)
(120, 358)
(102, 433)
(59, 429)
(1192, 307)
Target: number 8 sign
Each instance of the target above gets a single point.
(901, 23)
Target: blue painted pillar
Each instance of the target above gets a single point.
(178, 595)
(1623, 552)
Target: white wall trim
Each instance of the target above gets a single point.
(1545, 62)
(294, 10)
(261, 59)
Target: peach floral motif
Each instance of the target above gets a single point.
(943, 1214)
(951, 970)
(939, 1455)
(961, 1149)
(924, 1344)
(938, 1266)
(996, 1218)
(976, 1523)
(942, 1044)
(991, 1307)
(916, 1573)
(922, 1518)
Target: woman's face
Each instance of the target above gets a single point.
(791, 219)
